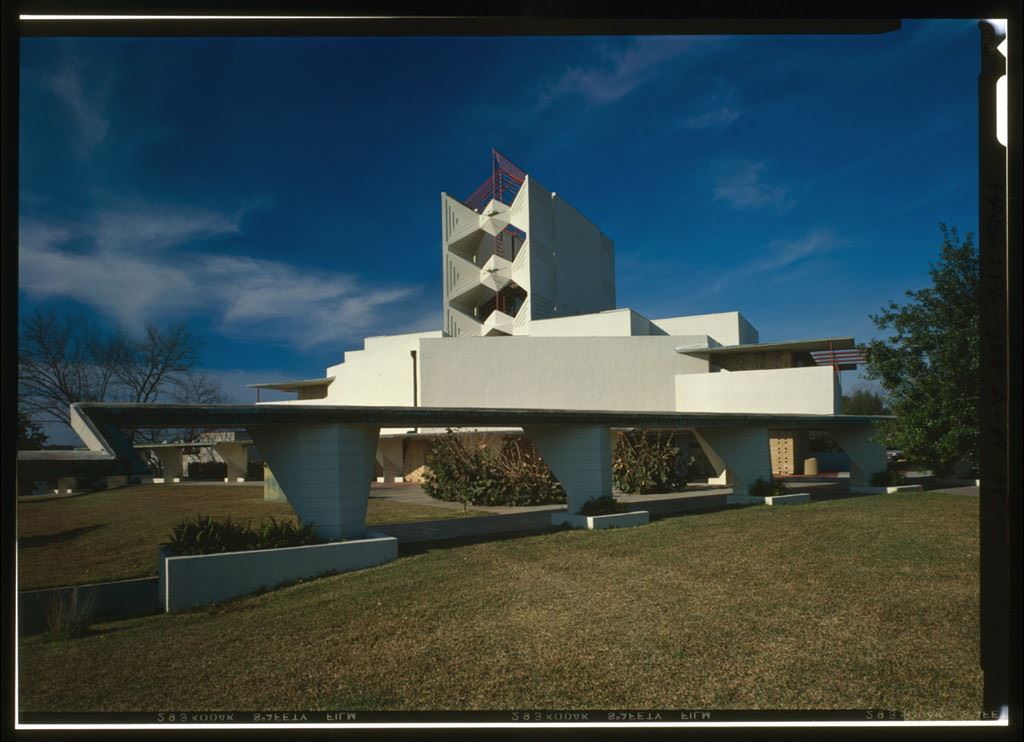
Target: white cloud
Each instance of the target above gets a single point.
(740, 184)
(132, 275)
(717, 109)
(87, 108)
(720, 116)
(781, 258)
(621, 68)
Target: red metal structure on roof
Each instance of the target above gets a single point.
(503, 185)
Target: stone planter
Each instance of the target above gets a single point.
(904, 488)
(596, 522)
(190, 581)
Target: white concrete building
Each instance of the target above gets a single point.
(529, 322)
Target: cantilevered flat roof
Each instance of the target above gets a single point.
(288, 386)
(193, 444)
(104, 415)
(842, 343)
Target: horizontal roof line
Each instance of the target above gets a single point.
(839, 343)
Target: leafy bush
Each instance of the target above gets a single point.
(215, 470)
(887, 478)
(204, 535)
(274, 534)
(647, 461)
(606, 505)
(462, 470)
(254, 471)
(68, 617)
(769, 488)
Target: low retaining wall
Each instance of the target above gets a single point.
(794, 498)
(106, 600)
(596, 522)
(190, 581)
(743, 500)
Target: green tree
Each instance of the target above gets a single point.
(30, 436)
(864, 402)
(928, 365)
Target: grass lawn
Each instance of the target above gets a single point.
(113, 535)
(867, 602)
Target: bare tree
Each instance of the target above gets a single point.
(62, 360)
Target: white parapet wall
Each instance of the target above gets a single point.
(599, 522)
(809, 390)
(581, 373)
(190, 581)
(795, 498)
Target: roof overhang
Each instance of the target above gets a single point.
(796, 346)
(292, 386)
(805, 346)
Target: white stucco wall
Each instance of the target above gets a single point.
(727, 328)
(810, 390)
(609, 373)
(609, 323)
(381, 374)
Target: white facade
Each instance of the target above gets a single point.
(529, 321)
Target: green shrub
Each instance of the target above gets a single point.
(648, 461)
(766, 488)
(887, 478)
(606, 505)
(275, 534)
(204, 535)
(68, 616)
(462, 470)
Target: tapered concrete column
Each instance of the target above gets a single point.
(390, 458)
(324, 471)
(742, 454)
(580, 456)
(170, 463)
(236, 458)
(866, 456)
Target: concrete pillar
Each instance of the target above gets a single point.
(234, 455)
(271, 489)
(580, 456)
(170, 462)
(866, 456)
(390, 457)
(741, 455)
(324, 471)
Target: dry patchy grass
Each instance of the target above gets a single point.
(858, 603)
(113, 535)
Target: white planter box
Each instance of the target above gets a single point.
(792, 499)
(743, 500)
(595, 522)
(904, 488)
(865, 490)
(190, 581)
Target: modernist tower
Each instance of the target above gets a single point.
(514, 252)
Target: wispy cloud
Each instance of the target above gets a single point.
(742, 185)
(87, 107)
(719, 109)
(130, 273)
(619, 68)
(780, 257)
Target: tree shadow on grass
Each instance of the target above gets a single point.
(47, 539)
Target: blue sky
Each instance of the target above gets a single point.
(282, 195)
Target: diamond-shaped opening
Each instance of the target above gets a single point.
(509, 300)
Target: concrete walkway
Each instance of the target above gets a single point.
(503, 521)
